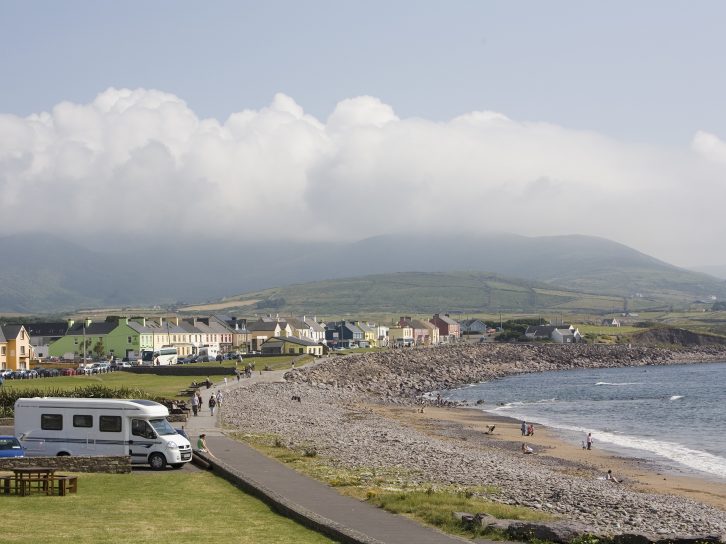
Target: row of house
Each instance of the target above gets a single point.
(124, 337)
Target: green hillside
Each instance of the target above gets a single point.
(419, 292)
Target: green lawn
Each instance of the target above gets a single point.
(148, 507)
(163, 386)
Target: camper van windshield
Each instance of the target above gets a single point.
(162, 427)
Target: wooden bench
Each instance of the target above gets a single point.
(66, 485)
(7, 485)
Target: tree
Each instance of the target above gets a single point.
(98, 349)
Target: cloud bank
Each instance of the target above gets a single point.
(142, 163)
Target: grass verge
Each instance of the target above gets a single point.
(142, 508)
(397, 490)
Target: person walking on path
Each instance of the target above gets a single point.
(195, 404)
(212, 403)
(219, 398)
(199, 401)
(589, 441)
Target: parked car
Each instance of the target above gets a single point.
(68, 372)
(10, 447)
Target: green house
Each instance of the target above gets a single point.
(103, 339)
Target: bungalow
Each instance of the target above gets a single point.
(562, 334)
(264, 329)
(610, 323)
(473, 326)
(291, 345)
(15, 348)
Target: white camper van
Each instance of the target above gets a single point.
(52, 426)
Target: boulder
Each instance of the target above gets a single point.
(554, 531)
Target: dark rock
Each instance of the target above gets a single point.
(632, 538)
(556, 531)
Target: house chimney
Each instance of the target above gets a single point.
(87, 322)
(70, 323)
(176, 321)
(161, 321)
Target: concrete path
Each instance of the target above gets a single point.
(300, 494)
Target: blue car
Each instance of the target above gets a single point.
(10, 447)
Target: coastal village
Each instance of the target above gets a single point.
(126, 338)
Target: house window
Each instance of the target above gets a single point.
(109, 424)
(82, 421)
(51, 422)
(128, 340)
(2, 351)
(22, 350)
(22, 334)
(75, 341)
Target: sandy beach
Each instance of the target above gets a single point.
(639, 474)
(363, 412)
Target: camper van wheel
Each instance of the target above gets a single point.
(157, 461)
(177, 465)
(63, 454)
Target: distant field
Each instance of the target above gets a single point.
(218, 305)
(149, 508)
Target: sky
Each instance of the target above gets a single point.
(339, 120)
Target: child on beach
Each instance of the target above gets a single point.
(526, 449)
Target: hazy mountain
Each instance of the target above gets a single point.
(42, 273)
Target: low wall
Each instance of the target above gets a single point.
(116, 464)
(181, 370)
(7, 422)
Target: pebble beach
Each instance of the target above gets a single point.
(364, 411)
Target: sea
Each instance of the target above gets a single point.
(673, 415)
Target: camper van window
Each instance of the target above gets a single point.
(82, 421)
(109, 424)
(51, 422)
(140, 427)
(162, 427)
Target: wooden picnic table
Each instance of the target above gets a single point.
(29, 480)
(37, 480)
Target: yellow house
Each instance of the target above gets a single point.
(370, 333)
(401, 336)
(15, 349)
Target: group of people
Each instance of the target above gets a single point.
(527, 429)
(215, 399)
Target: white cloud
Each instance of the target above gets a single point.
(144, 158)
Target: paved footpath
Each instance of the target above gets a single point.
(304, 494)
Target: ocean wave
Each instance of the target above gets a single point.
(676, 397)
(698, 460)
(622, 383)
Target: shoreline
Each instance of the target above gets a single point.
(640, 474)
(363, 411)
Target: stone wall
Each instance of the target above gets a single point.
(120, 464)
(182, 370)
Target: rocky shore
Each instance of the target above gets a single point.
(337, 418)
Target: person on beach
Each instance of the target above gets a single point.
(524, 428)
(526, 449)
(610, 478)
(589, 441)
(530, 430)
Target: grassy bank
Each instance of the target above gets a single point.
(149, 508)
(390, 488)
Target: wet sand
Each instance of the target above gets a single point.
(639, 474)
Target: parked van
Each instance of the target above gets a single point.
(208, 351)
(53, 426)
